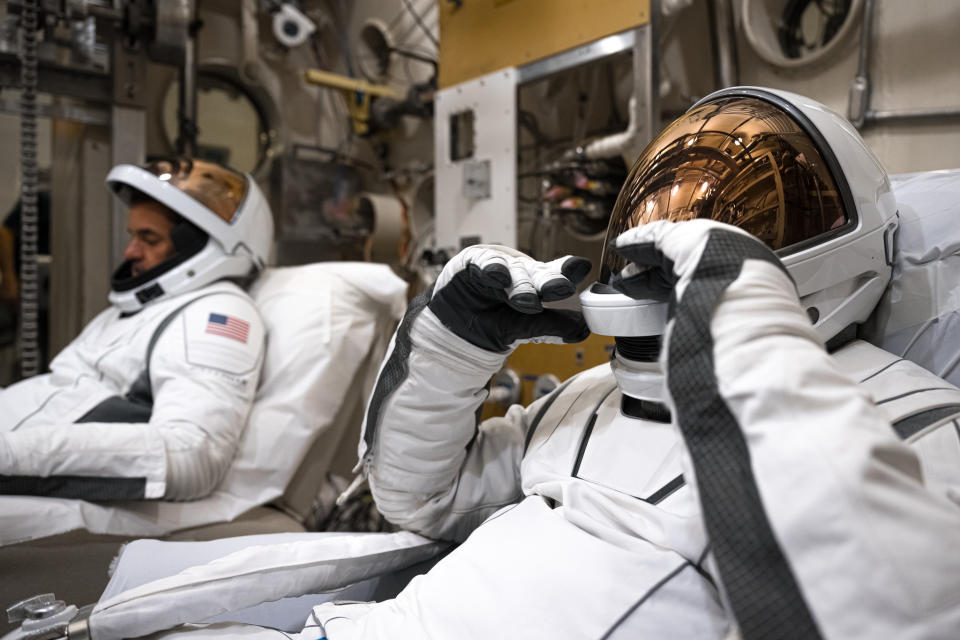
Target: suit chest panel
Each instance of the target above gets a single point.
(585, 437)
(114, 351)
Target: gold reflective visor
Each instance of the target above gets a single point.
(218, 188)
(739, 160)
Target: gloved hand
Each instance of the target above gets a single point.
(492, 297)
(664, 257)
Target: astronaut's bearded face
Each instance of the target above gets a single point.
(149, 226)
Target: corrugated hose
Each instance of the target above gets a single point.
(29, 214)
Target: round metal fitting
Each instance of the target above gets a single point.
(40, 610)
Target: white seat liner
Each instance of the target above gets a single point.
(918, 317)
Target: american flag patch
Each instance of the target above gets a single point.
(228, 326)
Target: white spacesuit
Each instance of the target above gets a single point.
(150, 400)
(788, 508)
(753, 486)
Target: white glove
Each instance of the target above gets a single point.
(665, 255)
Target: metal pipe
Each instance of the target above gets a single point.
(866, 38)
(615, 144)
(725, 69)
(859, 99)
(644, 105)
(912, 114)
(337, 81)
(187, 112)
(104, 13)
(250, 36)
(29, 212)
(859, 111)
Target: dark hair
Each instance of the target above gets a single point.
(139, 197)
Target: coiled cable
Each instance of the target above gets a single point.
(29, 213)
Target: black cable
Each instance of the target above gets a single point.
(408, 55)
(419, 21)
(344, 40)
(528, 121)
(416, 55)
(317, 54)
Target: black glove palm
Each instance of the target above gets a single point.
(492, 297)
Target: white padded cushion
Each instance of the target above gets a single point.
(327, 323)
(918, 317)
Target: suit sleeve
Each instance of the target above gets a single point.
(203, 377)
(433, 467)
(819, 522)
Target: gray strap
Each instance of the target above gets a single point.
(761, 588)
(910, 426)
(137, 404)
(141, 390)
(75, 487)
(395, 369)
(543, 411)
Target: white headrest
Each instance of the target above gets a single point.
(323, 322)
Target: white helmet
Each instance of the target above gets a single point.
(228, 230)
(783, 167)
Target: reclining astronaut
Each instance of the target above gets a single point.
(724, 472)
(150, 400)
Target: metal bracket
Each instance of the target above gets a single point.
(82, 84)
(79, 626)
(27, 608)
(129, 69)
(43, 616)
(476, 179)
(591, 52)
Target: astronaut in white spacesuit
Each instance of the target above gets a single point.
(150, 400)
(724, 474)
(779, 499)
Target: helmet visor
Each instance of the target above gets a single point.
(218, 188)
(738, 160)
